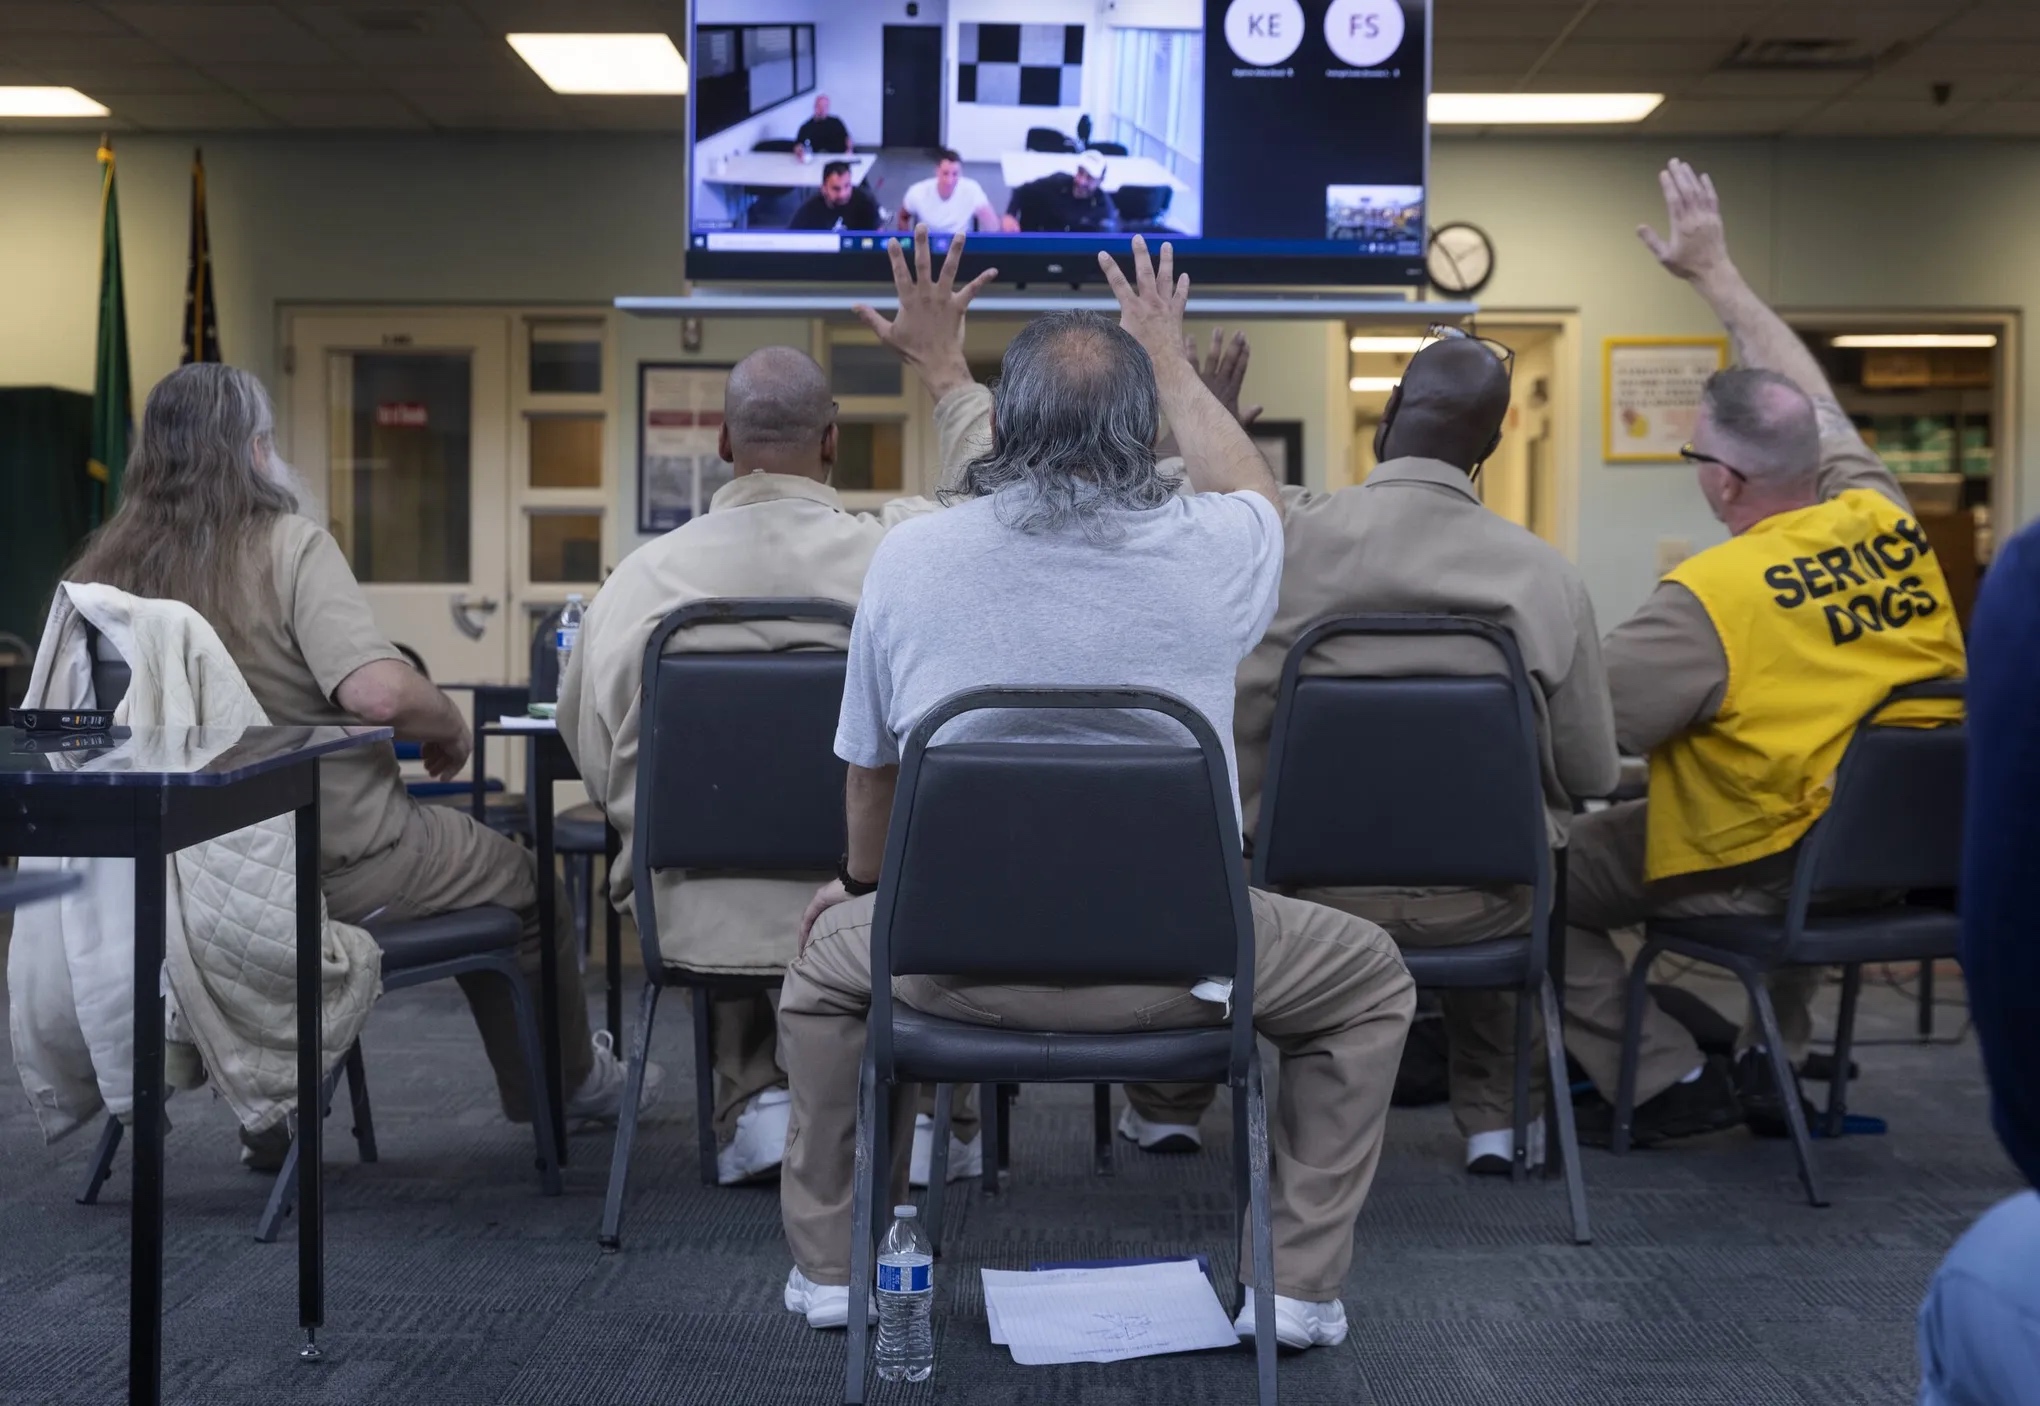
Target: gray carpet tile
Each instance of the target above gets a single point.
(453, 1282)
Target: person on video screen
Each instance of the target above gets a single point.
(840, 204)
(824, 134)
(1065, 202)
(948, 201)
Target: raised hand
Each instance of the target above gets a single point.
(1151, 307)
(1696, 245)
(927, 332)
(1224, 371)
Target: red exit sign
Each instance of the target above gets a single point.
(401, 414)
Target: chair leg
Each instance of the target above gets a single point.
(534, 1069)
(1101, 1130)
(1008, 1094)
(992, 1129)
(1845, 1039)
(1788, 1082)
(1632, 1041)
(102, 1161)
(1519, 1157)
(1926, 1016)
(859, 1330)
(583, 869)
(704, 1082)
(357, 1099)
(1567, 1139)
(612, 958)
(282, 1197)
(938, 1167)
(1264, 1234)
(611, 1236)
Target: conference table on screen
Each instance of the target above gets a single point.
(1020, 167)
(770, 169)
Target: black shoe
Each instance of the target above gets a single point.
(1763, 1106)
(1819, 1066)
(1706, 1105)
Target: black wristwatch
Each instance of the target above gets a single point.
(856, 888)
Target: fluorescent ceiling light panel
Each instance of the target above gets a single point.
(1374, 383)
(604, 63)
(1540, 109)
(48, 102)
(1917, 339)
(1394, 346)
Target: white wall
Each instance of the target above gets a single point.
(1155, 14)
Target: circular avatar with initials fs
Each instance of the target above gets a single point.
(1364, 33)
(1262, 33)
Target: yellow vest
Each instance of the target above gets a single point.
(1821, 611)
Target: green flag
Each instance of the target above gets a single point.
(112, 398)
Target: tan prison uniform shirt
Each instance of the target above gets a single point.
(773, 535)
(294, 658)
(1416, 537)
(1666, 668)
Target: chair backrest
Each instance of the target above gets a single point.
(737, 767)
(1411, 780)
(110, 673)
(545, 658)
(774, 144)
(1109, 148)
(1063, 863)
(1895, 821)
(1142, 202)
(1048, 139)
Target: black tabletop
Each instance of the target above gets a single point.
(168, 756)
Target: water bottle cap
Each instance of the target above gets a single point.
(906, 1212)
(575, 595)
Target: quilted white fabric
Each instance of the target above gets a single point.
(231, 945)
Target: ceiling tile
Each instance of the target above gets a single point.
(629, 114)
(1654, 19)
(506, 111)
(230, 33)
(351, 110)
(594, 16)
(1858, 117)
(1773, 84)
(56, 17)
(1738, 117)
(294, 78)
(130, 78)
(391, 20)
(1998, 19)
(180, 112)
(75, 48)
(1617, 63)
(1485, 55)
(1542, 20)
(2000, 119)
(1917, 84)
(1876, 24)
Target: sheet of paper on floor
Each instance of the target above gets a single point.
(1104, 1315)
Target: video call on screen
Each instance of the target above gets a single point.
(1228, 126)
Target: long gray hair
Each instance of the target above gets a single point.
(1074, 418)
(197, 500)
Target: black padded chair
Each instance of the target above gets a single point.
(1144, 849)
(1894, 823)
(1420, 780)
(1109, 148)
(737, 769)
(774, 144)
(1049, 139)
(449, 944)
(1142, 206)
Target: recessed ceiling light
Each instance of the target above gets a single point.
(1917, 339)
(1540, 109)
(604, 63)
(48, 102)
(1374, 383)
(1395, 346)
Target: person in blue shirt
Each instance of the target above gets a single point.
(1979, 1333)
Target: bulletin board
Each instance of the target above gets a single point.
(1650, 394)
(680, 413)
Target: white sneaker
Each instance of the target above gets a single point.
(1159, 1137)
(826, 1305)
(1490, 1154)
(966, 1159)
(600, 1097)
(1298, 1322)
(760, 1141)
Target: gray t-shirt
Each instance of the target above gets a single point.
(1170, 598)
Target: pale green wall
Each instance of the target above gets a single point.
(580, 219)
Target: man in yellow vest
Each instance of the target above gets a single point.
(1743, 677)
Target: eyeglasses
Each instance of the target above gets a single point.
(1444, 332)
(1694, 456)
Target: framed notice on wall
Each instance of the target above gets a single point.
(680, 408)
(1650, 394)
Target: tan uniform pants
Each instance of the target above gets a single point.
(1330, 993)
(446, 861)
(1606, 889)
(1480, 1026)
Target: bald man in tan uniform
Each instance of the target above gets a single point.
(776, 530)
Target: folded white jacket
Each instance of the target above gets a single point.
(231, 933)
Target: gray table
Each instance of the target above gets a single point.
(144, 794)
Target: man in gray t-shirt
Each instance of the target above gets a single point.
(1078, 563)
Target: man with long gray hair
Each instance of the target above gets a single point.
(1078, 563)
(208, 516)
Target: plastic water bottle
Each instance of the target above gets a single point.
(906, 1299)
(568, 633)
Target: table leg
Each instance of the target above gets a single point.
(145, 1218)
(311, 1208)
(539, 777)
